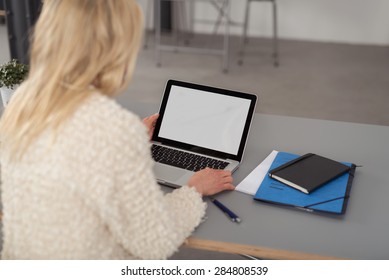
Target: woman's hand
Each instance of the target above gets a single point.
(150, 122)
(211, 181)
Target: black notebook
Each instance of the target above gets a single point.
(308, 172)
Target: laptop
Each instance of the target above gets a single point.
(199, 126)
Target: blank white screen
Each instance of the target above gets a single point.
(204, 119)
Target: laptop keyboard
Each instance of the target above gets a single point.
(185, 160)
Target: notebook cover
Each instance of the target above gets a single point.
(309, 171)
(330, 198)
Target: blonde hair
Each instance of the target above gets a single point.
(79, 46)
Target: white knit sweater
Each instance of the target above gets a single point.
(92, 194)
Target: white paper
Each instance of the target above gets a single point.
(251, 183)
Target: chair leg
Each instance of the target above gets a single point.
(226, 36)
(148, 17)
(244, 37)
(191, 21)
(222, 14)
(158, 32)
(246, 21)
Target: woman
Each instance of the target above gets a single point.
(76, 167)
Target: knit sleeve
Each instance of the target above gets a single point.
(145, 221)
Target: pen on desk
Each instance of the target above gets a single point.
(228, 212)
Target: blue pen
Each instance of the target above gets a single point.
(228, 212)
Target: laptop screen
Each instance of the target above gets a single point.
(211, 121)
(204, 117)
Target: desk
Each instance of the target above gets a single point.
(275, 232)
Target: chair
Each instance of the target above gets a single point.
(180, 21)
(275, 35)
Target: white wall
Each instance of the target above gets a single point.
(344, 21)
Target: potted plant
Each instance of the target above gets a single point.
(12, 75)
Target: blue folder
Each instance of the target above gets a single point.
(331, 197)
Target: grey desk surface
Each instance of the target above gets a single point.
(362, 233)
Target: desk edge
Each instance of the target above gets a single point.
(255, 251)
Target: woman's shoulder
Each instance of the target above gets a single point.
(104, 117)
(107, 109)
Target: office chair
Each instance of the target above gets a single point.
(245, 26)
